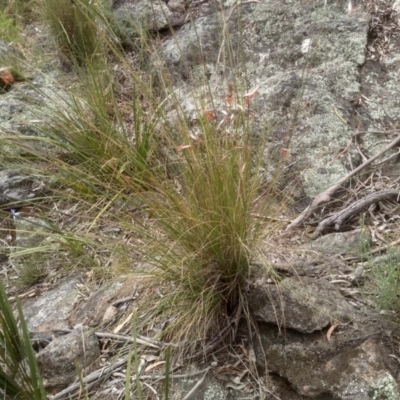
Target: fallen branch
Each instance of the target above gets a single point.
(93, 378)
(381, 249)
(326, 195)
(128, 339)
(176, 376)
(90, 379)
(338, 218)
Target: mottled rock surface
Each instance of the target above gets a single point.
(61, 360)
(52, 309)
(133, 16)
(303, 56)
(17, 186)
(306, 304)
(318, 368)
(352, 242)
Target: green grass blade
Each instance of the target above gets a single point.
(17, 378)
(167, 372)
(128, 377)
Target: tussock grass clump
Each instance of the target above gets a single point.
(8, 30)
(33, 269)
(211, 233)
(19, 10)
(196, 190)
(385, 278)
(73, 25)
(101, 154)
(182, 193)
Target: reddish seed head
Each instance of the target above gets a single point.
(6, 77)
(210, 114)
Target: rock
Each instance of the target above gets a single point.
(23, 107)
(30, 231)
(305, 304)
(360, 374)
(148, 15)
(210, 388)
(356, 373)
(9, 54)
(36, 250)
(176, 6)
(52, 309)
(61, 360)
(17, 185)
(93, 310)
(378, 108)
(352, 242)
(302, 89)
(40, 340)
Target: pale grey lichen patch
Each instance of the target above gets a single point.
(215, 391)
(145, 14)
(383, 107)
(25, 108)
(321, 178)
(305, 95)
(392, 58)
(383, 388)
(386, 388)
(355, 390)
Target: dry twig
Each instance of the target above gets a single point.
(326, 195)
(338, 218)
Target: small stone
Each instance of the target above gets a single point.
(176, 6)
(59, 360)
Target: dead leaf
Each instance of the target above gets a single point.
(248, 96)
(330, 330)
(252, 361)
(123, 323)
(239, 376)
(235, 387)
(152, 366)
(149, 357)
(183, 147)
(210, 113)
(110, 313)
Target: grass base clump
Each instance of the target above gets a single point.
(196, 225)
(385, 281)
(183, 193)
(208, 227)
(73, 25)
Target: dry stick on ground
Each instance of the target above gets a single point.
(338, 218)
(93, 378)
(381, 249)
(90, 379)
(139, 339)
(326, 195)
(125, 338)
